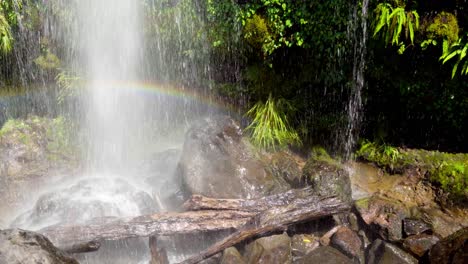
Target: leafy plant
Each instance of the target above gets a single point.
(459, 52)
(270, 126)
(391, 22)
(444, 28)
(6, 38)
(69, 85)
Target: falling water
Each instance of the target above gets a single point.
(355, 103)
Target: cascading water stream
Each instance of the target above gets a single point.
(355, 103)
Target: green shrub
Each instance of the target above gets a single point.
(270, 126)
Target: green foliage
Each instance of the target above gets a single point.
(48, 61)
(447, 171)
(256, 31)
(391, 22)
(444, 28)
(458, 51)
(270, 127)
(69, 85)
(382, 155)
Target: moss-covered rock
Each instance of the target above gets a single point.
(326, 175)
(446, 171)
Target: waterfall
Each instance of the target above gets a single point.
(355, 104)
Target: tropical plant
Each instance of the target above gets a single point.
(270, 126)
(443, 29)
(6, 38)
(391, 22)
(459, 52)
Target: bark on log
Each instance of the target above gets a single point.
(158, 254)
(144, 226)
(275, 219)
(198, 202)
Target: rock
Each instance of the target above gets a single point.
(452, 249)
(24, 247)
(86, 199)
(381, 252)
(414, 227)
(325, 239)
(272, 249)
(303, 244)
(347, 241)
(282, 165)
(383, 215)
(326, 255)
(327, 176)
(232, 256)
(353, 222)
(218, 162)
(420, 244)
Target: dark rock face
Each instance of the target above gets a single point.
(327, 177)
(272, 249)
(420, 244)
(452, 249)
(414, 227)
(218, 162)
(381, 252)
(347, 241)
(87, 199)
(384, 215)
(232, 256)
(326, 255)
(283, 166)
(24, 247)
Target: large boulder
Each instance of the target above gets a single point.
(24, 247)
(381, 252)
(326, 255)
(327, 176)
(216, 161)
(272, 249)
(86, 199)
(452, 249)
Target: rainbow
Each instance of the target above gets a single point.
(167, 89)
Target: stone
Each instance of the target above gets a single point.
(327, 176)
(414, 226)
(383, 215)
(303, 244)
(353, 222)
(272, 249)
(24, 247)
(452, 249)
(218, 162)
(232, 256)
(420, 244)
(326, 238)
(381, 252)
(347, 241)
(325, 255)
(283, 166)
(84, 200)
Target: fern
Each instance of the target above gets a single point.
(457, 51)
(6, 38)
(392, 21)
(270, 127)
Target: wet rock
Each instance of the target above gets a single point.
(383, 215)
(303, 244)
(272, 249)
(419, 244)
(218, 162)
(353, 222)
(232, 256)
(415, 227)
(452, 249)
(86, 199)
(381, 252)
(212, 260)
(24, 247)
(282, 165)
(327, 176)
(347, 241)
(326, 238)
(325, 255)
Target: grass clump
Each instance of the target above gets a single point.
(270, 127)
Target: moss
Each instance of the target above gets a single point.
(446, 171)
(256, 31)
(443, 26)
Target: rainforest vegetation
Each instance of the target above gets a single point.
(288, 65)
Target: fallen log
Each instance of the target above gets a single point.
(158, 254)
(110, 228)
(199, 202)
(276, 219)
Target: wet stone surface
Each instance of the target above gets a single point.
(382, 252)
(415, 227)
(347, 241)
(420, 244)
